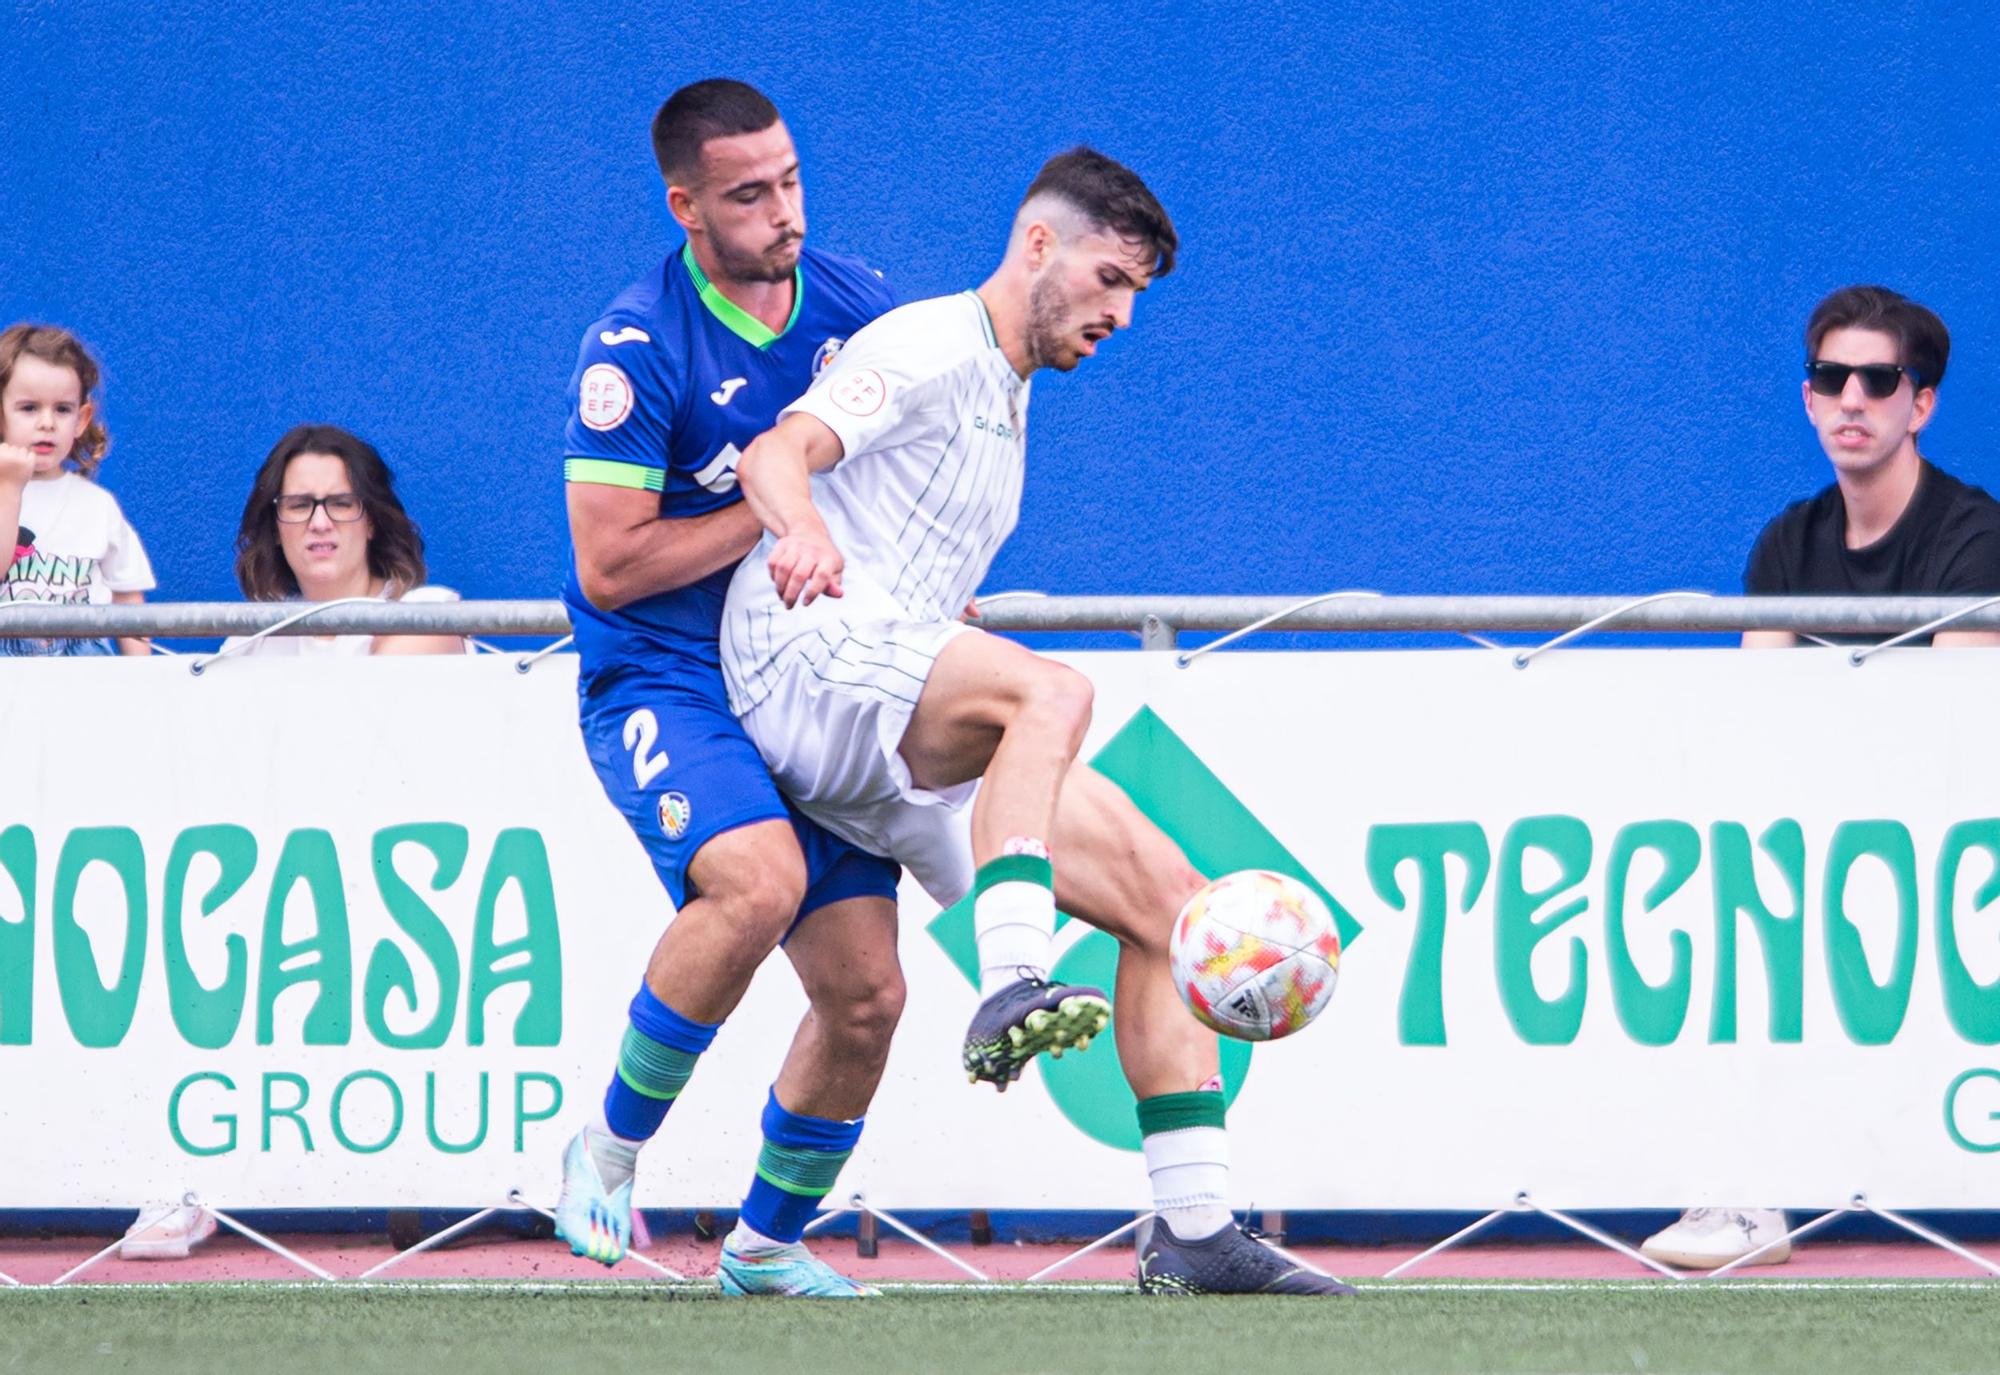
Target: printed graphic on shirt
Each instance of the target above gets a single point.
(50, 578)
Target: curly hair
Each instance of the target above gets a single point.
(59, 348)
(395, 551)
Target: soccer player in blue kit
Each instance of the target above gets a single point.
(686, 366)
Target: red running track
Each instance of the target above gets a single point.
(227, 1257)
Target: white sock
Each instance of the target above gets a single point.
(1015, 922)
(744, 1240)
(1190, 1173)
(615, 1156)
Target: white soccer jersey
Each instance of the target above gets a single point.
(932, 419)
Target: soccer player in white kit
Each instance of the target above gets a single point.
(885, 492)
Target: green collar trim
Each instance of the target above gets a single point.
(985, 319)
(735, 318)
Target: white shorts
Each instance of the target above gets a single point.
(831, 729)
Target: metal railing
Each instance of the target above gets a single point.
(1158, 621)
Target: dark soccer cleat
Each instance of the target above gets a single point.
(1230, 1262)
(1027, 1017)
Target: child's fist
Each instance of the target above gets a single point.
(17, 464)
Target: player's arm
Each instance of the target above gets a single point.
(626, 551)
(623, 401)
(775, 474)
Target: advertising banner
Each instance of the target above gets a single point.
(1626, 928)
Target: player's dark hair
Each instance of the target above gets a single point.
(60, 349)
(1923, 343)
(1111, 196)
(395, 551)
(691, 116)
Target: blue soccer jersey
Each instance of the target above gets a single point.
(670, 385)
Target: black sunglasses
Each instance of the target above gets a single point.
(1879, 380)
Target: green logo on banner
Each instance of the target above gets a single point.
(1198, 812)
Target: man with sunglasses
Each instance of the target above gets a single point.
(1890, 524)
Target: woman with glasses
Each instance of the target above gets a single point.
(323, 523)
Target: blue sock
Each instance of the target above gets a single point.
(801, 1159)
(654, 1063)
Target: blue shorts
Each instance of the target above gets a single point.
(676, 763)
(32, 648)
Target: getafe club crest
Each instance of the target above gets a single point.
(828, 351)
(675, 813)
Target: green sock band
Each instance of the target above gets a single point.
(1014, 869)
(1178, 1111)
(651, 1069)
(798, 1170)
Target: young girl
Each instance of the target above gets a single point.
(71, 543)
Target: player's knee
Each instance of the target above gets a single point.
(1060, 700)
(865, 1020)
(1159, 895)
(762, 899)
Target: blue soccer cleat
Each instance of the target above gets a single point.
(596, 1224)
(1027, 1017)
(1230, 1262)
(793, 1273)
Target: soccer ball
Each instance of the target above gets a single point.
(1255, 955)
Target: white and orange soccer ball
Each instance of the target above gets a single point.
(1255, 955)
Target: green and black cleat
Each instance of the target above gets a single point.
(1027, 1017)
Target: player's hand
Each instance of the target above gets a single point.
(805, 564)
(17, 464)
(972, 609)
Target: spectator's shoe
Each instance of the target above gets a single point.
(597, 1224)
(1027, 1017)
(1705, 1238)
(793, 1273)
(166, 1231)
(1230, 1262)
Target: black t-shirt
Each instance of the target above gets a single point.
(1947, 544)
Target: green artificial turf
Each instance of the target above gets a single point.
(420, 1329)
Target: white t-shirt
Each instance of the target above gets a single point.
(335, 646)
(84, 548)
(932, 420)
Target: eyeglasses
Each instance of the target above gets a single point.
(297, 510)
(1879, 380)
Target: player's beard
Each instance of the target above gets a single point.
(775, 264)
(1048, 324)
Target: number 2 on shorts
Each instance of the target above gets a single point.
(642, 728)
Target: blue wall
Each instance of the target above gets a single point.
(1470, 302)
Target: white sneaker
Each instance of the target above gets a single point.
(1705, 1238)
(166, 1231)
